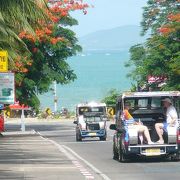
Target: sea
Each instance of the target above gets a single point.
(97, 74)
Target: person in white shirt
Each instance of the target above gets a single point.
(171, 119)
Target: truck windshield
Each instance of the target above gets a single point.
(145, 103)
(93, 119)
(83, 110)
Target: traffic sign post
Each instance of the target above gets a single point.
(3, 61)
(23, 128)
(7, 88)
(48, 111)
(1, 123)
(1, 106)
(111, 111)
(17, 106)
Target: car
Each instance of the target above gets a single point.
(147, 108)
(91, 121)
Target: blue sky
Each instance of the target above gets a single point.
(108, 14)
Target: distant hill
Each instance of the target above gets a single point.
(120, 38)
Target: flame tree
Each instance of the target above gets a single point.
(16, 16)
(47, 46)
(160, 54)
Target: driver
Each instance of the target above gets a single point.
(140, 127)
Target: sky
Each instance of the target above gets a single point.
(108, 14)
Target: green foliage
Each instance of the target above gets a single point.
(156, 12)
(49, 64)
(159, 56)
(16, 16)
(111, 97)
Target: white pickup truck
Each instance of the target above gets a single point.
(91, 121)
(146, 107)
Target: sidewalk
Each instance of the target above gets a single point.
(34, 120)
(33, 157)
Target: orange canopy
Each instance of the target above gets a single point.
(17, 106)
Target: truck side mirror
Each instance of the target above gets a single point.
(113, 127)
(75, 122)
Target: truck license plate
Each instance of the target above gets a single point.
(92, 134)
(153, 152)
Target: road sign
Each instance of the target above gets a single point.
(7, 88)
(3, 61)
(48, 111)
(111, 111)
(1, 106)
(7, 113)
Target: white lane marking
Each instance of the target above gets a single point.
(89, 177)
(57, 131)
(43, 167)
(21, 159)
(22, 140)
(86, 142)
(71, 157)
(41, 135)
(86, 174)
(87, 163)
(6, 144)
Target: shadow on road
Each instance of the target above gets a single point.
(148, 160)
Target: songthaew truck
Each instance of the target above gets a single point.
(147, 108)
(91, 121)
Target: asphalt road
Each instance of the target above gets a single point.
(96, 155)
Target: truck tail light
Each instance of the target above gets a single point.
(178, 136)
(126, 143)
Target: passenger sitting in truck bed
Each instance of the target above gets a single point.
(171, 119)
(140, 127)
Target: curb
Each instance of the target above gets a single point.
(19, 133)
(35, 120)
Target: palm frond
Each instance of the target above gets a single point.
(15, 16)
(22, 14)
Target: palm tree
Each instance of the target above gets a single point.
(16, 16)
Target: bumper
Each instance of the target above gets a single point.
(152, 150)
(98, 133)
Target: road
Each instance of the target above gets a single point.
(95, 156)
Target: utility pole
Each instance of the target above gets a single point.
(23, 128)
(55, 97)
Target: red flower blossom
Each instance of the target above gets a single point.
(34, 50)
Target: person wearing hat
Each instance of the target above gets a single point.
(171, 119)
(129, 120)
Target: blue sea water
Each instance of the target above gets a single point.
(97, 73)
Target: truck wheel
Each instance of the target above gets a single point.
(122, 156)
(175, 157)
(103, 138)
(115, 153)
(78, 137)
